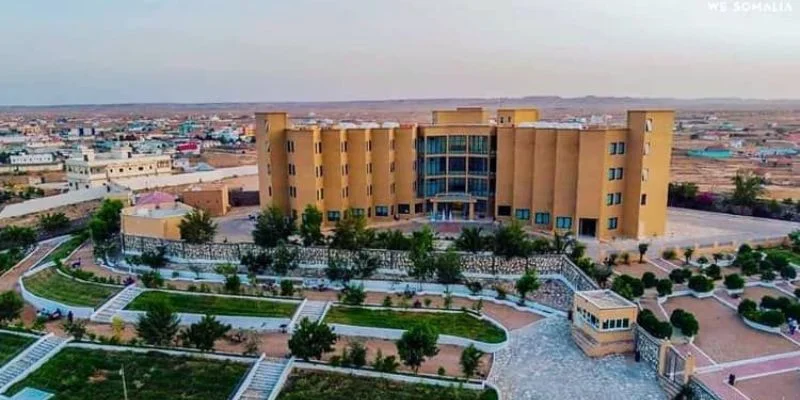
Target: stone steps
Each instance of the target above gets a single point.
(19, 367)
(312, 310)
(107, 311)
(264, 381)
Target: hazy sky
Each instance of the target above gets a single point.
(112, 51)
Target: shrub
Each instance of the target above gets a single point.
(649, 280)
(772, 318)
(680, 275)
(648, 321)
(385, 364)
(669, 254)
(684, 321)
(353, 295)
(387, 301)
(701, 284)
(702, 260)
(793, 311)
(734, 282)
(474, 287)
(772, 303)
(749, 267)
(628, 286)
(287, 287)
(625, 258)
(797, 293)
(788, 272)
(664, 287)
(747, 306)
(501, 292)
(768, 276)
(152, 279)
(745, 249)
(677, 317)
(355, 355)
(714, 272)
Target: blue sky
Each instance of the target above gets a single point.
(109, 51)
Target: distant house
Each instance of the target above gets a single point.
(31, 159)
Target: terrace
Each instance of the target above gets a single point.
(53, 285)
(215, 305)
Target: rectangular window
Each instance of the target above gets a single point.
(504, 211)
(358, 212)
(403, 209)
(564, 222)
(612, 148)
(435, 186)
(621, 148)
(436, 166)
(457, 185)
(645, 175)
(618, 198)
(381, 211)
(618, 173)
(457, 166)
(612, 223)
(610, 199)
(479, 145)
(542, 218)
(333, 216)
(479, 187)
(648, 125)
(418, 208)
(647, 148)
(436, 145)
(457, 144)
(611, 174)
(644, 200)
(478, 166)
(522, 214)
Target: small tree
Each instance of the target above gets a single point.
(203, 334)
(643, 250)
(311, 340)
(272, 227)
(353, 295)
(155, 259)
(470, 361)
(152, 279)
(385, 364)
(416, 345)
(713, 271)
(11, 305)
(159, 325)
(197, 227)
(105, 222)
(257, 263)
(17, 236)
(448, 268)
(284, 259)
(53, 222)
(311, 226)
(526, 284)
(233, 284)
(471, 240)
(649, 280)
(76, 328)
(701, 284)
(664, 287)
(350, 232)
(687, 254)
(734, 282)
(511, 241)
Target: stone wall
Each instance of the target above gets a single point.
(648, 348)
(390, 260)
(701, 392)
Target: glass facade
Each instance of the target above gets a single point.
(479, 145)
(478, 166)
(436, 145)
(457, 166)
(457, 144)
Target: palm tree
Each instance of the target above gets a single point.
(642, 250)
(197, 227)
(562, 242)
(687, 254)
(471, 240)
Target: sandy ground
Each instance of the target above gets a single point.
(755, 293)
(636, 270)
(783, 386)
(723, 335)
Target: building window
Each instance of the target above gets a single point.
(457, 166)
(504, 211)
(457, 144)
(479, 187)
(358, 212)
(615, 174)
(541, 218)
(647, 148)
(436, 145)
(613, 198)
(333, 216)
(644, 200)
(501, 120)
(478, 166)
(478, 144)
(612, 223)
(564, 222)
(645, 174)
(381, 211)
(648, 125)
(522, 214)
(616, 148)
(610, 199)
(403, 209)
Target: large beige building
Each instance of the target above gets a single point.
(602, 182)
(86, 169)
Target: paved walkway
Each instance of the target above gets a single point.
(715, 377)
(8, 281)
(542, 362)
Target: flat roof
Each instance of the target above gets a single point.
(606, 299)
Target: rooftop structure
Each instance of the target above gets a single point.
(154, 220)
(603, 322)
(87, 169)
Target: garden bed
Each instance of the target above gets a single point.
(307, 385)
(215, 305)
(11, 345)
(50, 284)
(79, 374)
(64, 249)
(793, 257)
(459, 324)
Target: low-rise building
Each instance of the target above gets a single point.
(603, 323)
(31, 159)
(160, 220)
(85, 169)
(210, 197)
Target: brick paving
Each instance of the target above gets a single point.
(716, 377)
(783, 386)
(9, 279)
(542, 362)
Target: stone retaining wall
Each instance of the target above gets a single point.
(648, 348)
(204, 256)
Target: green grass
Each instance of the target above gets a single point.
(793, 257)
(215, 305)
(454, 324)
(11, 345)
(54, 286)
(307, 385)
(81, 374)
(64, 249)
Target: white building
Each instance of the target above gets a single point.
(85, 169)
(31, 159)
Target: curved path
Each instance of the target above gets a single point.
(542, 362)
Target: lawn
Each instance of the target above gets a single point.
(454, 324)
(11, 345)
(215, 305)
(307, 385)
(80, 374)
(64, 249)
(54, 286)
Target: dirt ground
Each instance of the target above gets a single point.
(783, 386)
(218, 159)
(636, 270)
(755, 293)
(723, 335)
